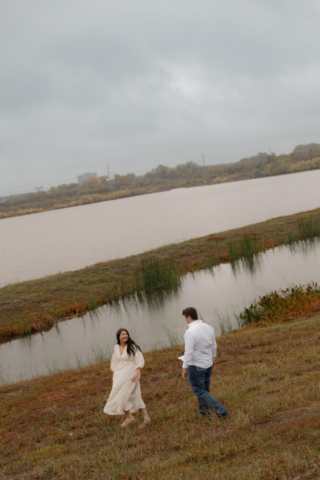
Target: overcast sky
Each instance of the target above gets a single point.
(136, 83)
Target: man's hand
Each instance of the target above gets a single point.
(213, 367)
(184, 373)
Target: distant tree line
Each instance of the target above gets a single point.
(303, 158)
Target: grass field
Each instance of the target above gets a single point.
(268, 378)
(36, 305)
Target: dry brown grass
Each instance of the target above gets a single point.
(268, 378)
(36, 305)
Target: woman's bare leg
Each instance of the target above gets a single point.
(129, 415)
(146, 418)
(130, 420)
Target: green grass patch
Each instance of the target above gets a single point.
(157, 274)
(248, 245)
(305, 228)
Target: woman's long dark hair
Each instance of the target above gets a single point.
(132, 347)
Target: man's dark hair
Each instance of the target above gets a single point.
(190, 312)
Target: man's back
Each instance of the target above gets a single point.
(200, 345)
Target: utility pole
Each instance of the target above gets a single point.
(109, 177)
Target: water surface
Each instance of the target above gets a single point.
(34, 246)
(217, 295)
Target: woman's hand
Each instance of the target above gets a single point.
(136, 374)
(135, 377)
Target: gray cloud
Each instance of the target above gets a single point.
(135, 84)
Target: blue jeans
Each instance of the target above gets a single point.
(199, 379)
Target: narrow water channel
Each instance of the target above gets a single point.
(219, 295)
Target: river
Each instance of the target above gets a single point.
(219, 295)
(37, 245)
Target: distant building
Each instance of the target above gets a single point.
(85, 176)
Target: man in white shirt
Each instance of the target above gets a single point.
(199, 361)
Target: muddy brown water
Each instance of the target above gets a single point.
(219, 295)
(34, 246)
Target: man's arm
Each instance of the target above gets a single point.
(213, 366)
(188, 353)
(214, 347)
(214, 352)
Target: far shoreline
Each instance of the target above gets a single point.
(94, 189)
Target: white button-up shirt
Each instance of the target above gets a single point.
(200, 345)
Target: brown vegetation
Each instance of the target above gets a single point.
(303, 158)
(268, 378)
(283, 305)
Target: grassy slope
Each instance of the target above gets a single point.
(36, 305)
(269, 379)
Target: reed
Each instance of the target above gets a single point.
(224, 322)
(305, 228)
(233, 251)
(173, 336)
(211, 262)
(53, 367)
(238, 319)
(291, 237)
(157, 274)
(308, 228)
(99, 355)
(248, 245)
(3, 377)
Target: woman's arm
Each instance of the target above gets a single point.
(139, 361)
(114, 361)
(136, 374)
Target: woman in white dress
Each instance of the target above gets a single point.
(126, 364)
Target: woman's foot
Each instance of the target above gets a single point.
(145, 422)
(128, 422)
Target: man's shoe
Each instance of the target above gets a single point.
(223, 416)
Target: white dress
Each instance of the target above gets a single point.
(125, 394)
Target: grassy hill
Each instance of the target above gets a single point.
(268, 378)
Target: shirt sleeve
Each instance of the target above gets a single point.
(114, 360)
(138, 359)
(188, 349)
(214, 348)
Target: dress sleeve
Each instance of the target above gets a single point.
(138, 359)
(114, 359)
